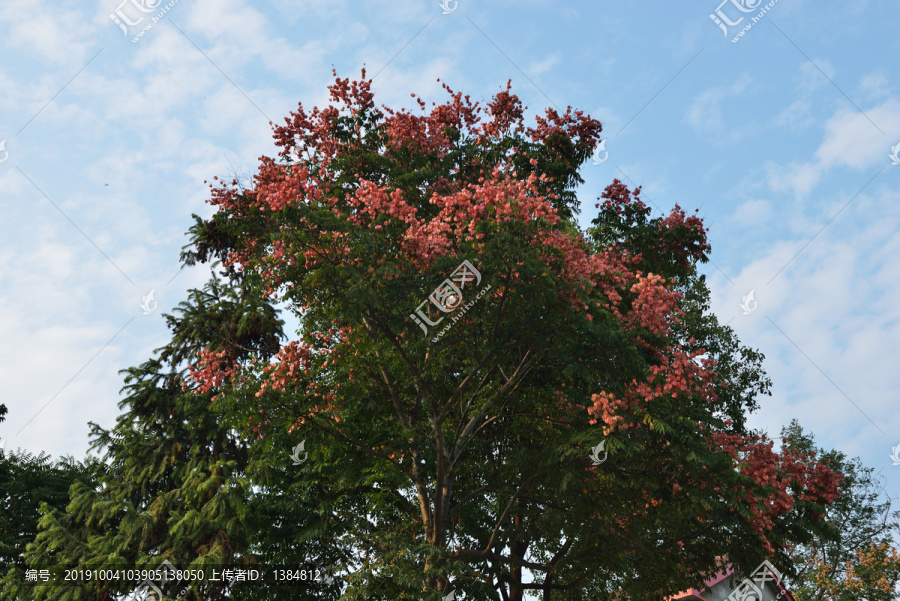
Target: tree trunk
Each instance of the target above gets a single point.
(517, 550)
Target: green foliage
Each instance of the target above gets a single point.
(837, 562)
(30, 485)
(173, 484)
(458, 465)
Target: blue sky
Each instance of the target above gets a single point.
(781, 139)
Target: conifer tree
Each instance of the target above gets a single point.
(175, 486)
(31, 484)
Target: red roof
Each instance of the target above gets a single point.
(693, 594)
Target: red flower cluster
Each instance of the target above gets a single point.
(789, 471)
(211, 371)
(446, 218)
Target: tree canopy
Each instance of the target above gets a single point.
(465, 355)
(855, 557)
(29, 483)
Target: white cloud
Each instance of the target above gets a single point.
(753, 212)
(797, 117)
(242, 34)
(813, 78)
(798, 178)
(875, 86)
(837, 302)
(853, 139)
(544, 65)
(705, 112)
(47, 30)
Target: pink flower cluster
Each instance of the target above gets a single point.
(678, 375)
(789, 471)
(211, 371)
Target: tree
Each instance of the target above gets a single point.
(457, 457)
(855, 556)
(30, 484)
(872, 574)
(174, 488)
(562, 415)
